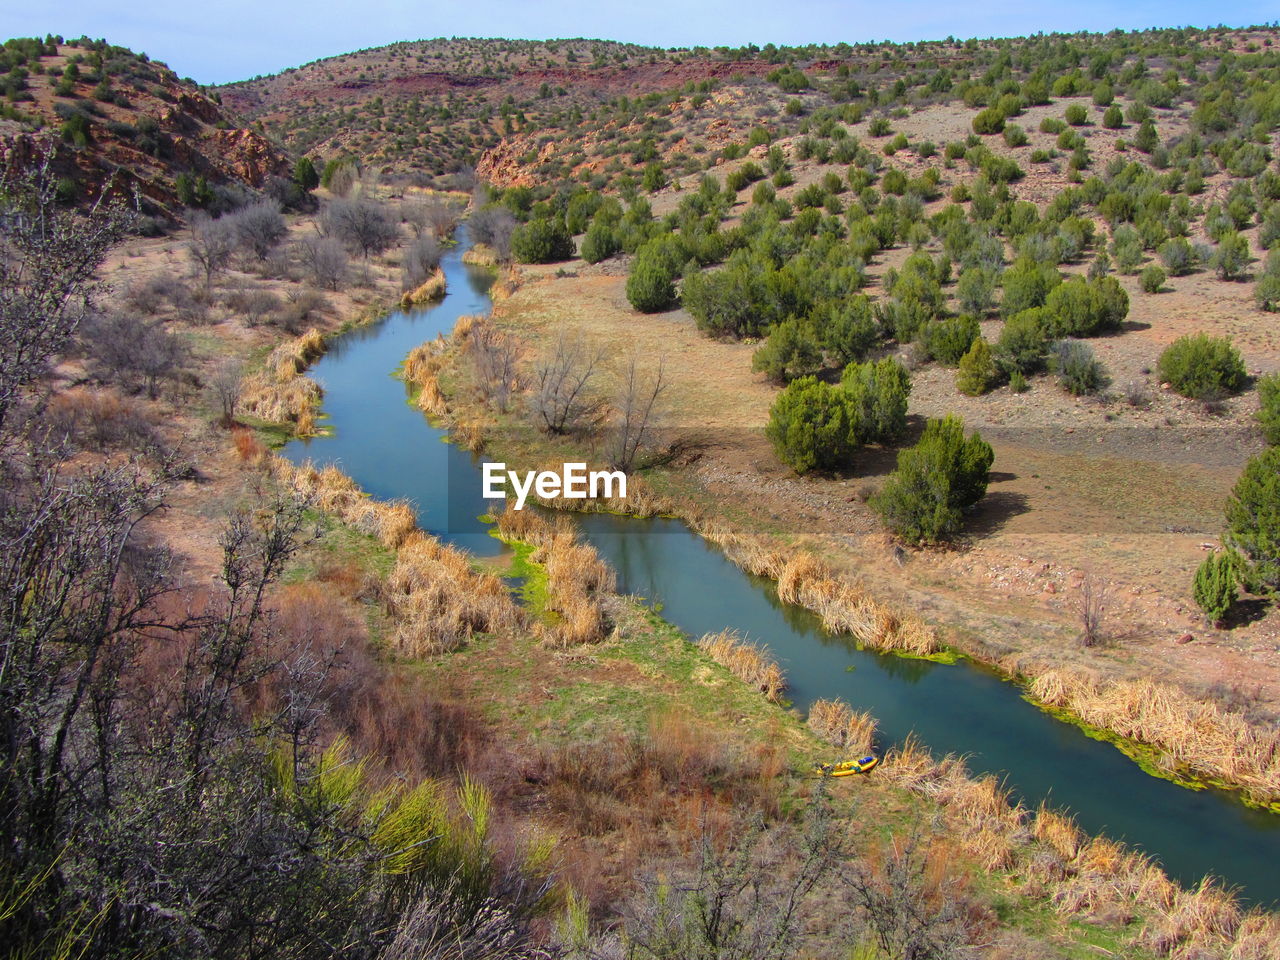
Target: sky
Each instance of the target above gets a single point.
(218, 41)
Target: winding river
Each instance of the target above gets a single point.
(387, 446)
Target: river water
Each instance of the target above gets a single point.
(390, 449)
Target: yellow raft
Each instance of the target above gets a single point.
(847, 767)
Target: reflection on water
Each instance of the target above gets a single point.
(386, 445)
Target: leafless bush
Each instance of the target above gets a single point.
(493, 226)
(1094, 602)
(301, 310)
(361, 223)
(255, 303)
(562, 376)
(211, 245)
(495, 357)
(101, 420)
(136, 354)
(637, 409)
(1136, 394)
(429, 216)
(325, 259)
(911, 908)
(258, 227)
(420, 259)
(224, 386)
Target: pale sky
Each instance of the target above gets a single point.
(224, 40)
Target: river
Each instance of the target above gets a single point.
(390, 449)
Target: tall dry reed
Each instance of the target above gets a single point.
(746, 661)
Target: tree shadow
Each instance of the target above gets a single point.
(1246, 611)
(995, 510)
(1129, 326)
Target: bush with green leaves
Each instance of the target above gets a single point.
(1079, 307)
(791, 350)
(977, 373)
(1178, 256)
(1027, 283)
(877, 392)
(1146, 139)
(1267, 290)
(600, 242)
(1232, 256)
(1080, 373)
(1113, 119)
(1253, 520)
(1076, 115)
(544, 240)
(1152, 279)
(976, 290)
(949, 339)
(848, 328)
(1022, 346)
(988, 121)
(651, 283)
(1269, 407)
(924, 499)
(811, 426)
(1203, 367)
(1015, 136)
(1215, 585)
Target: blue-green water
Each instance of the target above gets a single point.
(388, 447)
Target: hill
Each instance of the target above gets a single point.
(118, 121)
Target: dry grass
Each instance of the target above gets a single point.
(1194, 735)
(806, 581)
(422, 369)
(428, 292)
(280, 393)
(837, 723)
(579, 582)
(746, 661)
(439, 602)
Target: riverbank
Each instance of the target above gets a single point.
(1186, 737)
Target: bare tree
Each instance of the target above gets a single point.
(495, 356)
(225, 384)
(362, 224)
(639, 394)
(429, 215)
(135, 353)
(325, 259)
(48, 257)
(211, 245)
(493, 226)
(1094, 603)
(562, 377)
(258, 227)
(912, 911)
(420, 259)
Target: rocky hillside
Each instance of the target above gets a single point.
(117, 121)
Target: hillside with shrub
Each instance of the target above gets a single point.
(119, 124)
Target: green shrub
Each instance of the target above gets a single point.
(1214, 588)
(1052, 125)
(1079, 371)
(976, 291)
(1203, 367)
(1253, 520)
(924, 499)
(877, 393)
(988, 121)
(1076, 115)
(790, 351)
(1113, 119)
(600, 242)
(1178, 256)
(1146, 138)
(811, 426)
(1022, 345)
(1269, 403)
(977, 372)
(544, 240)
(848, 329)
(1027, 284)
(1079, 307)
(1152, 279)
(651, 283)
(948, 340)
(1015, 136)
